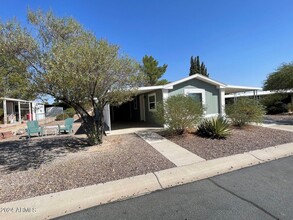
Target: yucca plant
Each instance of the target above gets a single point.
(215, 128)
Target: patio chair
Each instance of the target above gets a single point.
(33, 128)
(67, 127)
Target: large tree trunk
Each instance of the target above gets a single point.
(94, 127)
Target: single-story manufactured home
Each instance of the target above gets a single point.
(17, 110)
(209, 92)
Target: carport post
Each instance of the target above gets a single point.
(222, 102)
(5, 111)
(19, 112)
(30, 110)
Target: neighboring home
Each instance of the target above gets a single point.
(17, 110)
(209, 92)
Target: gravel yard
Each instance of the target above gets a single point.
(241, 140)
(47, 165)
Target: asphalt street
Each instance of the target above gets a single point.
(260, 192)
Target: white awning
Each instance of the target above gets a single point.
(235, 89)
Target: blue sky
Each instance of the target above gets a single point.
(240, 41)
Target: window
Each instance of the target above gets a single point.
(196, 94)
(152, 102)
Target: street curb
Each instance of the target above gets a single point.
(65, 202)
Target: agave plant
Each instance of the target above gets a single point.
(215, 128)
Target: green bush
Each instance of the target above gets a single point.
(275, 103)
(61, 117)
(179, 113)
(215, 128)
(244, 111)
(1, 112)
(277, 108)
(70, 112)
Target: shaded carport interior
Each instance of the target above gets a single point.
(132, 114)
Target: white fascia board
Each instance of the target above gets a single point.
(197, 76)
(16, 100)
(149, 88)
(243, 87)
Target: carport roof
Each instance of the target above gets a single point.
(228, 88)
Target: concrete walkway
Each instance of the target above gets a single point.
(280, 127)
(173, 152)
(58, 204)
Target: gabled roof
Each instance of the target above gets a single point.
(228, 88)
(195, 76)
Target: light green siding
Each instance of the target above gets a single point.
(149, 115)
(211, 93)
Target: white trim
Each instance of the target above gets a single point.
(243, 87)
(211, 115)
(5, 111)
(19, 112)
(155, 95)
(236, 89)
(259, 93)
(11, 99)
(219, 85)
(198, 76)
(150, 88)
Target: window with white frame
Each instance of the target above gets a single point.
(196, 94)
(152, 102)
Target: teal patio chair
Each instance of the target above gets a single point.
(33, 128)
(67, 127)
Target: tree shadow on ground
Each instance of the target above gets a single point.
(20, 155)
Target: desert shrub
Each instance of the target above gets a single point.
(70, 112)
(244, 111)
(275, 103)
(277, 108)
(215, 128)
(179, 113)
(61, 117)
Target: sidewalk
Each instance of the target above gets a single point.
(173, 152)
(61, 203)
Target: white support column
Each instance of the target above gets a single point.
(19, 112)
(107, 116)
(165, 93)
(30, 110)
(5, 111)
(222, 102)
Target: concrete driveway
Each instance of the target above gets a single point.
(260, 192)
